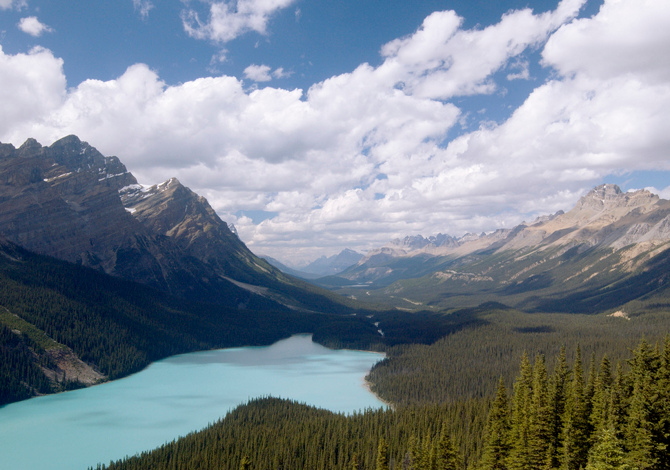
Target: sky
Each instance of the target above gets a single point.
(315, 126)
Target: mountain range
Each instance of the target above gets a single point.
(323, 266)
(69, 201)
(609, 250)
(99, 275)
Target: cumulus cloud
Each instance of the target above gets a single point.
(228, 19)
(258, 73)
(31, 25)
(263, 73)
(33, 87)
(363, 157)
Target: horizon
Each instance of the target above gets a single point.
(315, 128)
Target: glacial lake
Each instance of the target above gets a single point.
(170, 398)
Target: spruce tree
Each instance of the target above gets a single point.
(497, 432)
(557, 397)
(607, 453)
(446, 454)
(575, 436)
(519, 455)
(663, 387)
(382, 455)
(540, 417)
(602, 399)
(643, 435)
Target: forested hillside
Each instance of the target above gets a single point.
(614, 416)
(50, 309)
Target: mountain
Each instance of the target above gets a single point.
(285, 269)
(69, 201)
(609, 250)
(63, 325)
(326, 266)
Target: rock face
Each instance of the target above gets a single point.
(623, 231)
(71, 202)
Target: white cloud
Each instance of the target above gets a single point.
(258, 73)
(521, 68)
(229, 19)
(359, 158)
(13, 4)
(33, 87)
(31, 25)
(263, 73)
(143, 7)
(281, 73)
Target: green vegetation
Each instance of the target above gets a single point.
(20, 373)
(120, 327)
(561, 418)
(468, 363)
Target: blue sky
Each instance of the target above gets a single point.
(317, 126)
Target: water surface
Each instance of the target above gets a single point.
(173, 397)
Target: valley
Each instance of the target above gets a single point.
(101, 277)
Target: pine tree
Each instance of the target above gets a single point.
(382, 455)
(557, 397)
(602, 399)
(663, 387)
(355, 464)
(519, 455)
(607, 453)
(497, 433)
(575, 434)
(446, 455)
(539, 418)
(642, 436)
(245, 464)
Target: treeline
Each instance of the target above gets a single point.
(120, 327)
(611, 417)
(468, 363)
(270, 433)
(20, 374)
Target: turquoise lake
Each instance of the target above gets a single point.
(172, 397)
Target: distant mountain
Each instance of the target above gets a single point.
(71, 202)
(610, 249)
(327, 266)
(285, 269)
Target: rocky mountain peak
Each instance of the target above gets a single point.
(610, 196)
(30, 145)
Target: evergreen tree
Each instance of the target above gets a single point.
(663, 387)
(245, 464)
(618, 403)
(446, 455)
(382, 455)
(519, 456)
(557, 397)
(497, 433)
(575, 434)
(539, 416)
(602, 399)
(643, 435)
(607, 453)
(412, 459)
(355, 464)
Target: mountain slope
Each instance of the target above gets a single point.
(610, 249)
(63, 325)
(71, 202)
